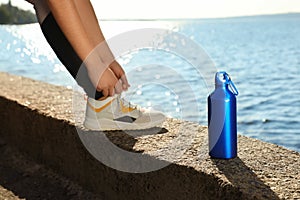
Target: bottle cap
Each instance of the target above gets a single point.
(222, 78)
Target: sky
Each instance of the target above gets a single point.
(155, 9)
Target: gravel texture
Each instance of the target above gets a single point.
(45, 123)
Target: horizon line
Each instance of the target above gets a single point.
(196, 18)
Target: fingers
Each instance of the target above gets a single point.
(111, 91)
(118, 87)
(112, 81)
(107, 92)
(125, 84)
(109, 84)
(104, 93)
(120, 74)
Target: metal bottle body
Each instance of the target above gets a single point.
(222, 122)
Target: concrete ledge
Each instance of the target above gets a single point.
(22, 178)
(37, 118)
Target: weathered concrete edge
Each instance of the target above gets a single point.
(55, 143)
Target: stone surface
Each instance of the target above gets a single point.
(22, 178)
(45, 123)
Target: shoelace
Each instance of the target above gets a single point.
(129, 106)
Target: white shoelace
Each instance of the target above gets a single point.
(127, 103)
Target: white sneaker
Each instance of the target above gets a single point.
(114, 113)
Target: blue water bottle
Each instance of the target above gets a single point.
(222, 122)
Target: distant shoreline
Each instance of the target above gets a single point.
(190, 19)
(12, 15)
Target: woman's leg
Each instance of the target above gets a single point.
(63, 49)
(89, 20)
(91, 25)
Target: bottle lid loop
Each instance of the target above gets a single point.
(231, 84)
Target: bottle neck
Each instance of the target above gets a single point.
(221, 86)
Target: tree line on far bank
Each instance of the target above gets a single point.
(13, 15)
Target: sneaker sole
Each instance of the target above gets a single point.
(109, 125)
